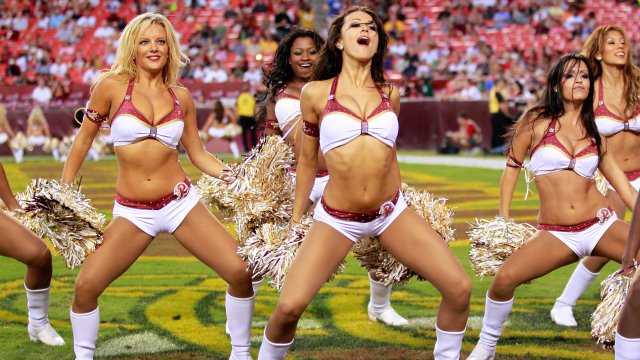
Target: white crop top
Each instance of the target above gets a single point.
(339, 125)
(129, 126)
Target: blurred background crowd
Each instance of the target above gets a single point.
(462, 50)
(445, 49)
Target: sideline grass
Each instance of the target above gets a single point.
(168, 307)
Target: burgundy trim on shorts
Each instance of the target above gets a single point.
(603, 215)
(319, 174)
(385, 209)
(179, 191)
(632, 175)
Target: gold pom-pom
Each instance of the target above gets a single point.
(604, 319)
(272, 248)
(215, 194)
(19, 141)
(65, 217)
(601, 182)
(376, 259)
(262, 189)
(492, 242)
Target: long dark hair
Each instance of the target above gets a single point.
(218, 110)
(551, 103)
(277, 73)
(329, 61)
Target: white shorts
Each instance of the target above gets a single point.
(216, 132)
(166, 219)
(37, 140)
(635, 183)
(583, 242)
(354, 230)
(318, 188)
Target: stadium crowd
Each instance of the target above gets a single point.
(447, 49)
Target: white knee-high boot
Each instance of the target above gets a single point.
(495, 315)
(256, 286)
(18, 154)
(56, 154)
(239, 317)
(85, 333)
(235, 150)
(39, 328)
(562, 312)
(448, 344)
(379, 308)
(627, 349)
(273, 351)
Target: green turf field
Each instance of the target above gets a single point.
(172, 307)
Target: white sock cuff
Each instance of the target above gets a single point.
(241, 299)
(618, 336)
(255, 282)
(84, 314)
(438, 330)
(584, 268)
(276, 344)
(37, 290)
(499, 302)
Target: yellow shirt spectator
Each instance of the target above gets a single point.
(246, 104)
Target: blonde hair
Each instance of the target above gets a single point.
(124, 64)
(3, 117)
(36, 116)
(593, 47)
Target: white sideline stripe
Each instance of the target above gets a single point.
(484, 163)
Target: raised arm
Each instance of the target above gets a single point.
(190, 139)
(515, 158)
(308, 161)
(96, 112)
(615, 176)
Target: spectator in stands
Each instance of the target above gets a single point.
(245, 107)
(467, 138)
(217, 73)
(469, 90)
(41, 94)
(153, 193)
(87, 20)
(253, 75)
(13, 70)
(90, 75)
(306, 16)
(39, 133)
(501, 120)
(61, 89)
(106, 30)
(222, 124)
(59, 68)
(17, 242)
(282, 21)
(260, 7)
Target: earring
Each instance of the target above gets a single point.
(598, 58)
(340, 47)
